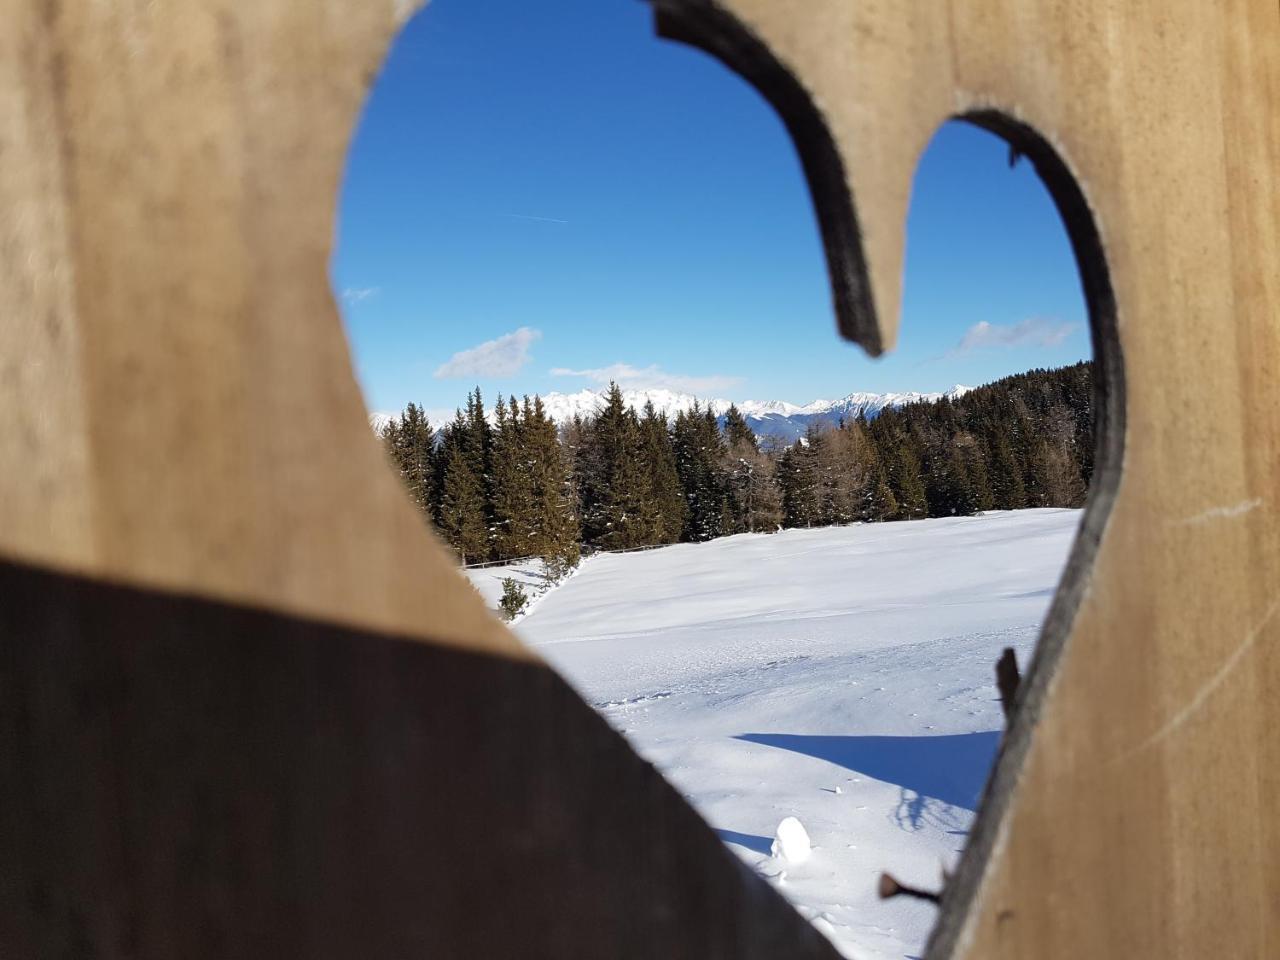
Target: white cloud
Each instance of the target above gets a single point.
(651, 378)
(357, 294)
(502, 357)
(1032, 332)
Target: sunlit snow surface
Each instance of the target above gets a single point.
(761, 673)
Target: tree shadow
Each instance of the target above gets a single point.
(751, 841)
(951, 769)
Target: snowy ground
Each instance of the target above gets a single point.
(528, 574)
(843, 676)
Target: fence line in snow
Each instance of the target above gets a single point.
(587, 551)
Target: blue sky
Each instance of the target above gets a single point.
(539, 187)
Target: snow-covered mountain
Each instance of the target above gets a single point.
(563, 407)
(379, 420)
(768, 418)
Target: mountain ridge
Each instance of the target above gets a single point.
(767, 418)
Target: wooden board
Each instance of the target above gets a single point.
(185, 778)
(1130, 811)
(234, 667)
(248, 707)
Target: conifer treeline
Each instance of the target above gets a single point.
(515, 485)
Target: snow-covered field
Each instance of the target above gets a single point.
(843, 676)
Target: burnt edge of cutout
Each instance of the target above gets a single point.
(705, 25)
(1109, 434)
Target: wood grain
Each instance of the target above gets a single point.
(191, 502)
(1128, 813)
(248, 707)
(176, 380)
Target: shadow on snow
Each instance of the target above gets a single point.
(750, 841)
(950, 769)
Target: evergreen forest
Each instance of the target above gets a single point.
(511, 483)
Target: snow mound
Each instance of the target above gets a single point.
(791, 841)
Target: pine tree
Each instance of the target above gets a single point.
(798, 483)
(479, 438)
(1007, 489)
(511, 484)
(667, 506)
(816, 483)
(879, 503)
(577, 450)
(616, 482)
(420, 438)
(736, 431)
(699, 454)
(973, 455)
(552, 504)
(907, 483)
(390, 435)
(462, 499)
(410, 443)
(952, 493)
(477, 447)
(747, 476)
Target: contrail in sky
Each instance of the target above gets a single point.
(525, 216)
